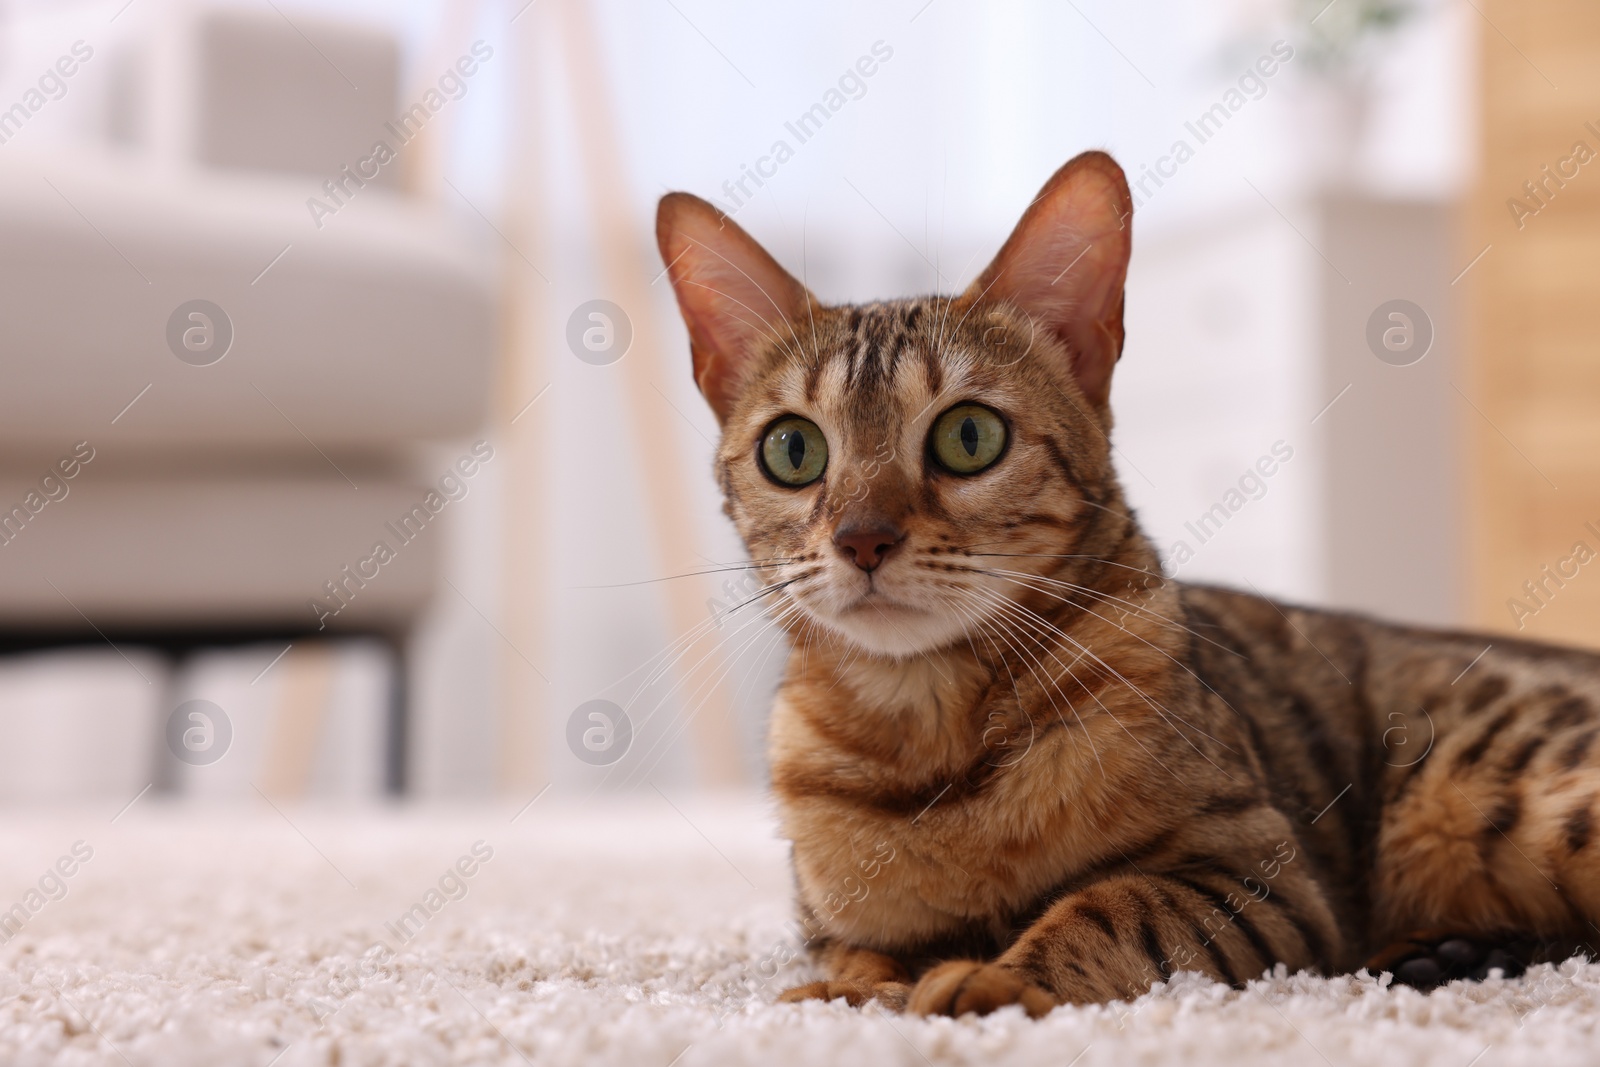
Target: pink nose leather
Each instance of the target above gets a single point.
(866, 548)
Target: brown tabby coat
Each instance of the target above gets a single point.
(1020, 766)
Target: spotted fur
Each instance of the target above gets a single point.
(1016, 762)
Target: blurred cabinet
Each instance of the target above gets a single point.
(1389, 350)
(1248, 343)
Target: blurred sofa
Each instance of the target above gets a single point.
(216, 492)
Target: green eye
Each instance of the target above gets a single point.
(968, 438)
(794, 451)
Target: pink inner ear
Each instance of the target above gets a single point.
(733, 295)
(1066, 262)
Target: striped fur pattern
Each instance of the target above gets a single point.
(1018, 765)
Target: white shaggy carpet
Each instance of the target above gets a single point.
(629, 932)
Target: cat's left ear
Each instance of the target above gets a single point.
(733, 295)
(1065, 265)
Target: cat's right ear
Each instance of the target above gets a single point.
(733, 295)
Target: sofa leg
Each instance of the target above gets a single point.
(398, 735)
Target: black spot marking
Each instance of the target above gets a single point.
(1569, 712)
(1306, 929)
(1505, 815)
(1061, 460)
(1577, 750)
(1236, 919)
(814, 378)
(1314, 734)
(932, 367)
(1219, 962)
(1523, 755)
(1487, 692)
(1580, 825)
(1247, 927)
(1230, 805)
(1152, 948)
(1099, 918)
(874, 336)
(955, 994)
(1469, 756)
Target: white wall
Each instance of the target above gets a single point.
(978, 104)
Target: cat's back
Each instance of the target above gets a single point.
(1365, 730)
(1341, 675)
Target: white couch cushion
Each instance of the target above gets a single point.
(376, 329)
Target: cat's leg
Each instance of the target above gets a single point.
(858, 975)
(1112, 939)
(1488, 857)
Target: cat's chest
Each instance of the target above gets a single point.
(890, 867)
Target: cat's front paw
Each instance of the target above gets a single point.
(892, 995)
(963, 986)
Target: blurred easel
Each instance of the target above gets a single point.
(626, 255)
(528, 716)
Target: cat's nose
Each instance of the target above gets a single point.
(867, 546)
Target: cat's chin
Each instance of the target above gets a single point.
(895, 631)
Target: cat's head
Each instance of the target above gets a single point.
(903, 471)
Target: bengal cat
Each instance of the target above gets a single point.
(1020, 766)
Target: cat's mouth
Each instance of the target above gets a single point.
(886, 625)
(871, 594)
(874, 599)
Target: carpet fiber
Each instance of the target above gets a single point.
(646, 932)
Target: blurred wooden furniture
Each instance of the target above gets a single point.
(1533, 307)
